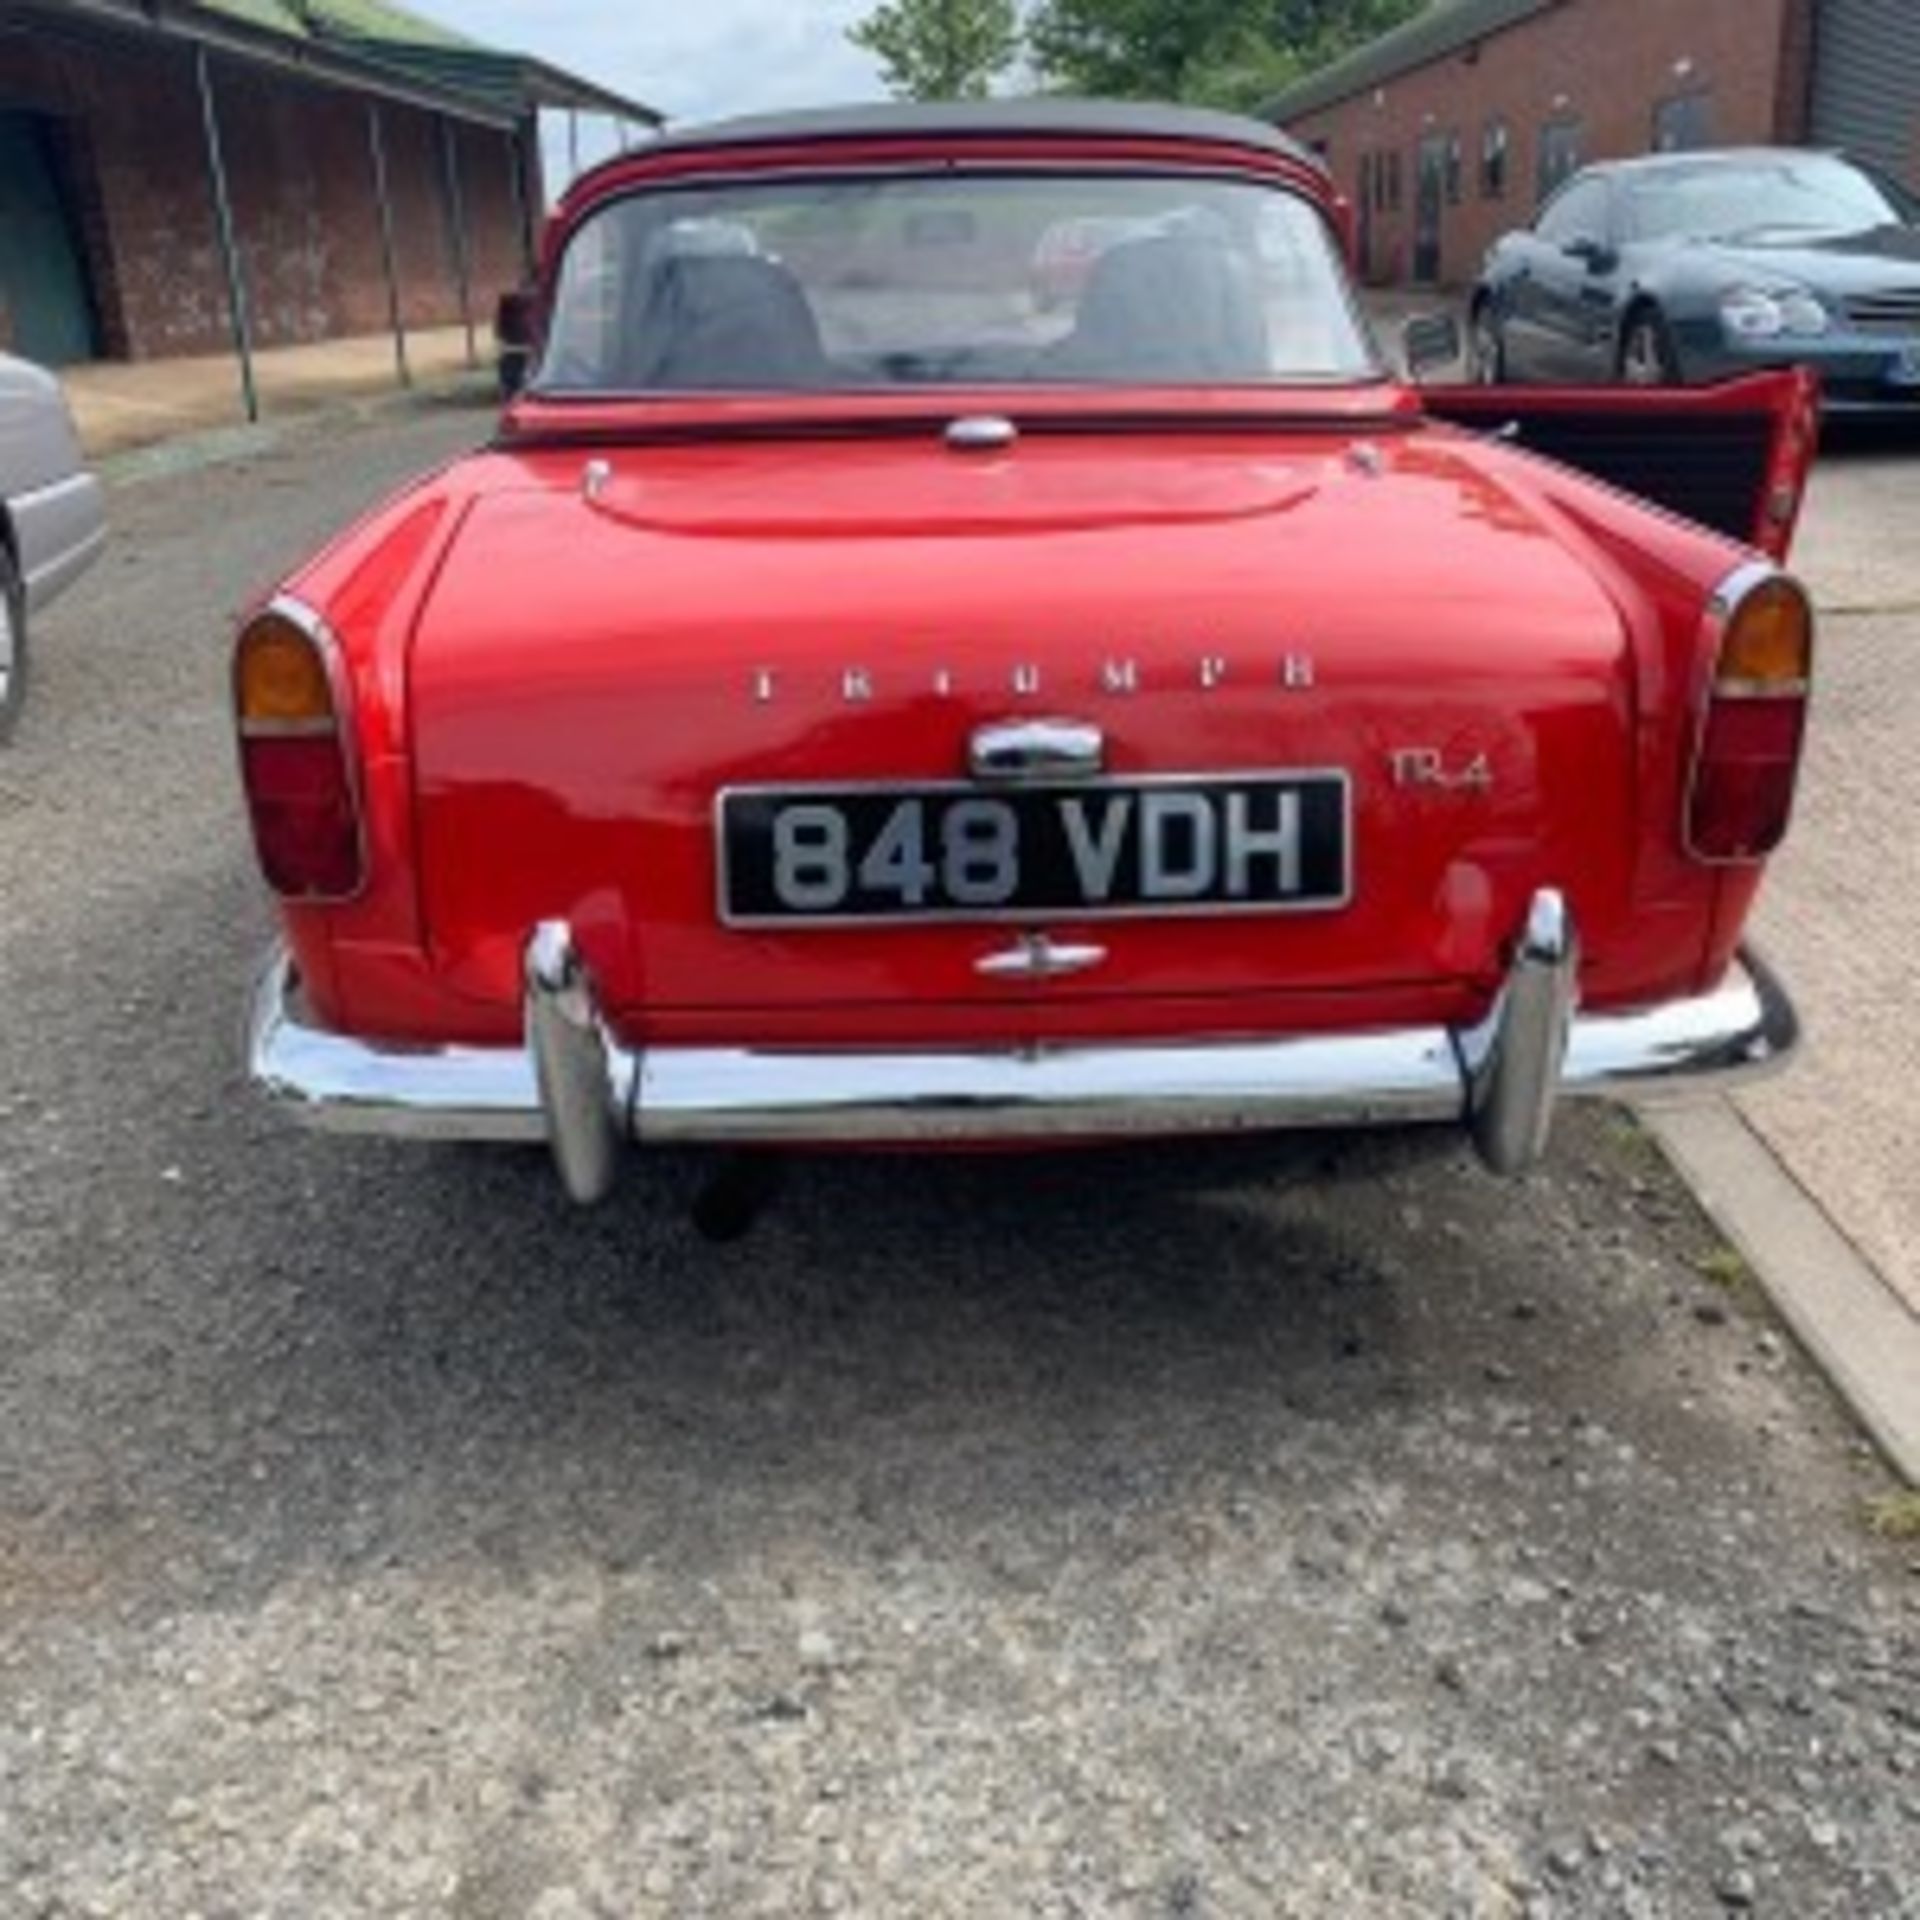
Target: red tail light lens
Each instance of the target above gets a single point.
(1755, 722)
(295, 758)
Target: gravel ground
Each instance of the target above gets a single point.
(1314, 1529)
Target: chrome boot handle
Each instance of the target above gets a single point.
(1012, 751)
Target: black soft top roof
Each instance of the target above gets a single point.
(964, 119)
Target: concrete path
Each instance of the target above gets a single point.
(1841, 916)
(120, 406)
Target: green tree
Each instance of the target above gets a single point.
(1224, 52)
(1243, 72)
(1316, 31)
(1134, 48)
(941, 49)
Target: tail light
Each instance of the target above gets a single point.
(296, 758)
(1755, 717)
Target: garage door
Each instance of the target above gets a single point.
(1866, 82)
(44, 312)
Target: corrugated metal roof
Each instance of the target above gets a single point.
(372, 45)
(1446, 27)
(380, 20)
(371, 20)
(389, 36)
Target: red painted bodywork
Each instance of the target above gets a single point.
(550, 684)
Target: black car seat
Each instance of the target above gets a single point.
(722, 321)
(1175, 307)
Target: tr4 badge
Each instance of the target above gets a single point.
(1429, 769)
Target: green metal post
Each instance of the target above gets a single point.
(377, 142)
(237, 313)
(457, 207)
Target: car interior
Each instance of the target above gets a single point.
(1176, 308)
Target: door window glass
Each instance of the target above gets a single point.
(1580, 213)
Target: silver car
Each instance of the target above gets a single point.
(52, 516)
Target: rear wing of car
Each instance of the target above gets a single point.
(1734, 457)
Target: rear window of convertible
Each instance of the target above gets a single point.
(888, 283)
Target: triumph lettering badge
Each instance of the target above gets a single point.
(1119, 676)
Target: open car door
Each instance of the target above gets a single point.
(1734, 457)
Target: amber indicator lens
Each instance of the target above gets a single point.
(1755, 726)
(1769, 646)
(294, 763)
(280, 679)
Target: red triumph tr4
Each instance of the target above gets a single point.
(853, 700)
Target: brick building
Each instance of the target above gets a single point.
(1451, 129)
(185, 176)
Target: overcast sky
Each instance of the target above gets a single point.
(693, 59)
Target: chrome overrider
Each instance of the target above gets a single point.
(574, 1086)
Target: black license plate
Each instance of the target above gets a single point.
(1265, 843)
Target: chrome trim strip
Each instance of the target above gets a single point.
(1744, 1030)
(342, 1085)
(1038, 956)
(58, 571)
(744, 1096)
(58, 529)
(1724, 602)
(981, 433)
(289, 729)
(1762, 689)
(764, 1096)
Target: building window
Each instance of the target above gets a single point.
(1456, 168)
(1495, 143)
(1364, 198)
(1559, 154)
(1683, 122)
(1393, 181)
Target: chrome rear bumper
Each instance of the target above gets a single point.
(572, 1085)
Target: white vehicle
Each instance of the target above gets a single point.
(53, 520)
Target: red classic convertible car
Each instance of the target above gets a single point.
(849, 702)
